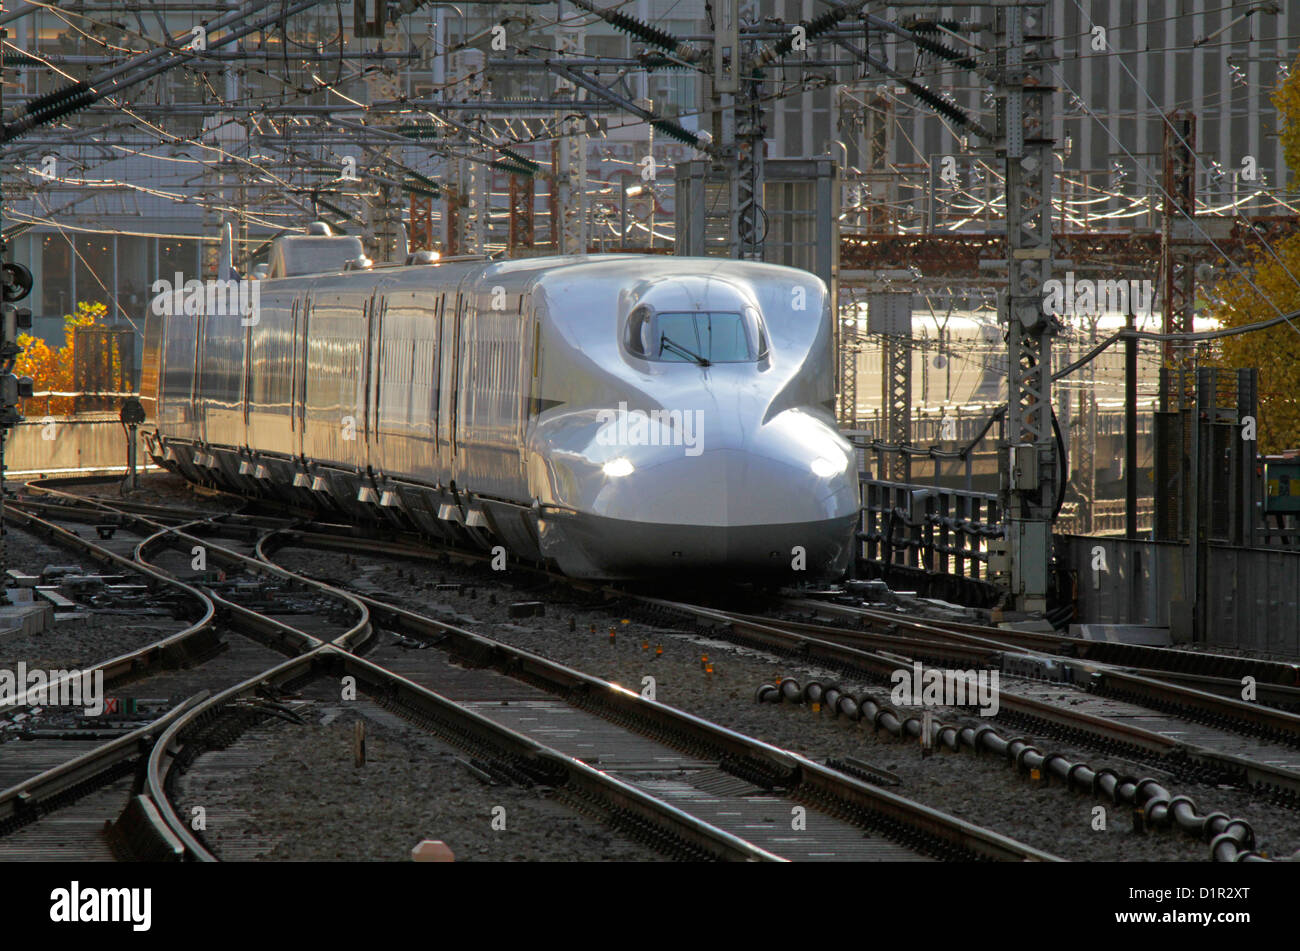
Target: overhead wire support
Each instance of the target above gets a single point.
(930, 46)
(841, 11)
(61, 102)
(667, 126)
(645, 32)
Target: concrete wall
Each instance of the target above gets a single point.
(52, 443)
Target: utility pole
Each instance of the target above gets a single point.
(570, 186)
(1177, 254)
(890, 316)
(477, 177)
(736, 100)
(1130, 430)
(1027, 458)
(1086, 464)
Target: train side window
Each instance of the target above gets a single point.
(635, 337)
(754, 321)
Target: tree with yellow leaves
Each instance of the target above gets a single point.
(1276, 351)
(53, 369)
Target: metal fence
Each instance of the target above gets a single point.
(911, 531)
(1250, 598)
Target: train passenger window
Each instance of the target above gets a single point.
(694, 336)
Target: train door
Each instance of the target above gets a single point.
(435, 377)
(246, 385)
(298, 398)
(198, 412)
(453, 332)
(447, 321)
(374, 330)
(531, 373)
(295, 445)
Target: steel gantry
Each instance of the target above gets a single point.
(1028, 462)
(1179, 248)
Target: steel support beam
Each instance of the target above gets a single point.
(1178, 246)
(1028, 457)
(522, 235)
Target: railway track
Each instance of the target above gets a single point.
(738, 777)
(833, 646)
(1204, 668)
(1181, 697)
(149, 825)
(1050, 720)
(1029, 707)
(1204, 736)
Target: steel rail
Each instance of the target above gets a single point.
(157, 535)
(799, 776)
(1126, 738)
(1129, 655)
(1232, 713)
(142, 659)
(685, 833)
(28, 800)
(1231, 839)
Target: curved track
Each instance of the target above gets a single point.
(840, 800)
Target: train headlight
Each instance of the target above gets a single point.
(825, 468)
(617, 468)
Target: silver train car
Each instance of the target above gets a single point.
(616, 416)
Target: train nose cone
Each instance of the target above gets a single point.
(784, 498)
(725, 488)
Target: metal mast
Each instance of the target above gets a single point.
(1028, 461)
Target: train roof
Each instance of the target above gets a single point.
(556, 271)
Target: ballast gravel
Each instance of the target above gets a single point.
(285, 792)
(979, 788)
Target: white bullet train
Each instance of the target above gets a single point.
(617, 416)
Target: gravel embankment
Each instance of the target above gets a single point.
(978, 788)
(293, 793)
(73, 642)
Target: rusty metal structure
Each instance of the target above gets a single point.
(522, 232)
(1180, 247)
(103, 361)
(421, 222)
(957, 256)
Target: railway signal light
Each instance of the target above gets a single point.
(16, 320)
(12, 389)
(17, 282)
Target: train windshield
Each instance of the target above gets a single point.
(696, 336)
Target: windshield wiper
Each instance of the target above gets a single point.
(664, 341)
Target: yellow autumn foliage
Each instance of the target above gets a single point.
(1275, 351)
(52, 369)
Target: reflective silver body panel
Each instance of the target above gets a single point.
(490, 402)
